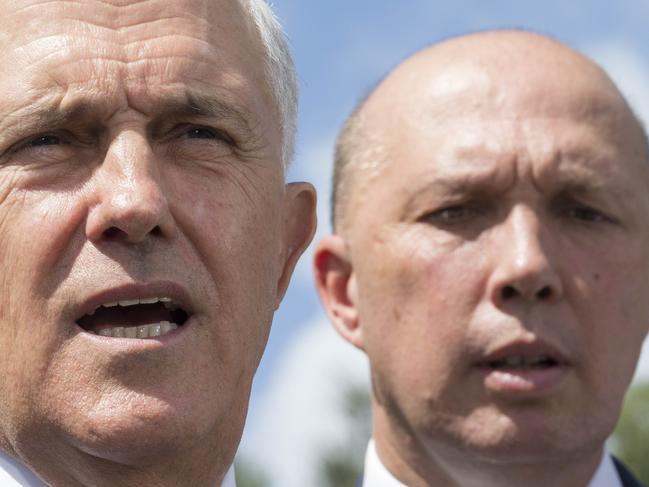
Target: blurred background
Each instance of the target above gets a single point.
(309, 417)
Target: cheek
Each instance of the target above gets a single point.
(37, 246)
(35, 231)
(610, 298)
(416, 305)
(405, 275)
(230, 214)
(237, 235)
(27, 349)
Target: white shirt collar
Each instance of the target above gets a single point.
(376, 475)
(15, 474)
(606, 474)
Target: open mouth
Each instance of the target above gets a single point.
(135, 318)
(522, 362)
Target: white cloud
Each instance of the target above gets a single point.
(299, 416)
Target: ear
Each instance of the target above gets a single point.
(336, 284)
(299, 228)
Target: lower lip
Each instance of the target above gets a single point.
(524, 382)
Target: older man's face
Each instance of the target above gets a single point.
(139, 161)
(500, 263)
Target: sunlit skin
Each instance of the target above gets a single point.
(140, 149)
(511, 208)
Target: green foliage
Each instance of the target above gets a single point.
(631, 437)
(341, 466)
(249, 475)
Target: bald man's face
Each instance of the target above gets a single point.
(500, 262)
(140, 164)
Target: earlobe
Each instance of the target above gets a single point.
(336, 284)
(299, 228)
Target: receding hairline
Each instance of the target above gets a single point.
(352, 140)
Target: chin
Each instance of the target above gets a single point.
(141, 434)
(525, 438)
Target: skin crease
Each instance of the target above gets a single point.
(496, 176)
(128, 189)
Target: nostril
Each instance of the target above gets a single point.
(116, 233)
(544, 293)
(113, 233)
(508, 292)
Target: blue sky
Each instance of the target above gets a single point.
(342, 49)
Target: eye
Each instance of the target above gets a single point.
(451, 215)
(208, 134)
(44, 140)
(201, 133)
(586, 214)
(46, 148)
(42, 144)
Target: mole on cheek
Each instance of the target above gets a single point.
(596, 276)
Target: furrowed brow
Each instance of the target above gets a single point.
(465, 185)
(582, 184)
(205, 106)
(456, 184)
(48, 115)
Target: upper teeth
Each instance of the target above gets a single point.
(167, 302)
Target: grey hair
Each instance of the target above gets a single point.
(280, 70)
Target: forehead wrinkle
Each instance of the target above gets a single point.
(119, 16)
(144, 39)
(125, 24)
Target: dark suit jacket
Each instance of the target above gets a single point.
(628, 480)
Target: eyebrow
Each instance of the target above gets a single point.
(204, 106)
(458, 183)
(38, 118)
(47, 114)
(474, 184)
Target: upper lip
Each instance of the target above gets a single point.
(162, 289)
(527, 349)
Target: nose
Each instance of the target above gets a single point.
(130, 203)
(525, 270)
